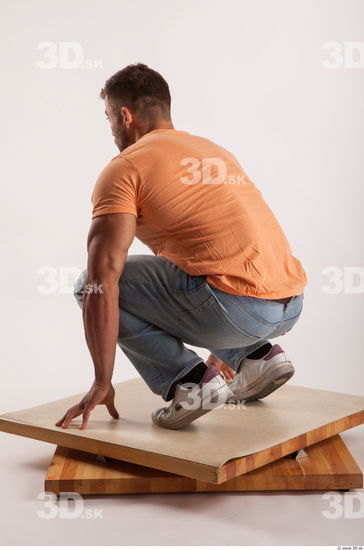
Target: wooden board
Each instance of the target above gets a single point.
(326, 465)
(221, 445)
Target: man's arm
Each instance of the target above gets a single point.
(109, 239)
(108, 242)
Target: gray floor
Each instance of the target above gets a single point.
(275, 518)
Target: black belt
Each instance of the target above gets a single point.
(284, 300)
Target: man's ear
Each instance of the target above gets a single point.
(126, 116)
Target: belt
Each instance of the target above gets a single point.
(284, 300)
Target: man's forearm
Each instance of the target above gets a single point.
(101, 323)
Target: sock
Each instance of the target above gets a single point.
(195, 375)
(260, 352)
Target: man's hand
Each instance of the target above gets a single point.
(98, 395)
(213, 361)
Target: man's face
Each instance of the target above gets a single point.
(123, 135)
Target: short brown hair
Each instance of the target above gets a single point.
(141, 89)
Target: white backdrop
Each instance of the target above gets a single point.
(278, 82)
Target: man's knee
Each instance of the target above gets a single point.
(79, 287)
(140, 266)
(130, 327)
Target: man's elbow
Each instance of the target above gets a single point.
(107, 271)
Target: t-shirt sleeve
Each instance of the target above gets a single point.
(116, 189)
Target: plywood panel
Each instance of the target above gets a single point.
(326, 465)
(221, 445)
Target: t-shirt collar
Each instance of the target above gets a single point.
(166, 130)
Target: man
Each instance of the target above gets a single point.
(222, 276)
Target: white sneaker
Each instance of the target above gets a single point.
(258, 378)
(191, 401)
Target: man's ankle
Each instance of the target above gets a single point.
(195, 376)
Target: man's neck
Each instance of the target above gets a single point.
(156, 125)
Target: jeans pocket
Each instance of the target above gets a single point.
(235, 325)
(287, 325)
(188, 284)
(209, 326)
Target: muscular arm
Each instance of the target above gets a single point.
(108, 241)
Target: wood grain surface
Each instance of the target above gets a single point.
(327, 465)
(221, 445)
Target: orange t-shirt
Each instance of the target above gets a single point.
(196, 206)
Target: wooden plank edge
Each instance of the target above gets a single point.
(174, 465)
(202, 472)
(307, 483)
(236, 466)
(351, 477)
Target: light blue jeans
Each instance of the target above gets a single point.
(162, 308)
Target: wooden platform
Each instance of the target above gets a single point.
(221, 445)
(327, 465)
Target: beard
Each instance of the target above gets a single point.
(122, 140)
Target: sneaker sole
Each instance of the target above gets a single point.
(266, 384)
(215, 399)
